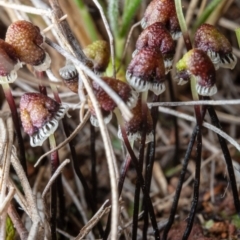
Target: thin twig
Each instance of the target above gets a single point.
(205, 124)
(192, 103)
(64, 32)
(17, 222)
(54, 176)
(140, 164)
(175, 122)
(26, 187)
(227, 158)
(93, 160)
(127, 43)
(94, 220)
(20, 199)
(48, 28)
(67, 140)
(110, 36)
(149, 163)
(5, 172)
(4, 205)
(196, 182)
(109, 155)
(68, 236)
(27, 9)
(3, 136)
(81, 178)
(147, 199)
(31, 203)
(76, 202)
(180, 184)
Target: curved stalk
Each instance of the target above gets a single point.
(140, 164)
(227, 157)
(149, 164)
(54, 164)
(17, 126)
(182, 23)
(147, 199)
(175, 123)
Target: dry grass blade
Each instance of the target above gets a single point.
(27, 9)
(8, 128)
(52, 25)
(205, 124)
(54, 176)
(192, 103)
(4, 205)
(3, 136)
(111, 160)
(32, 209)
(18, 224)
(93, 221)
(77, 203)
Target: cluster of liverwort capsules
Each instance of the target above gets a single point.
(212, 51)
(152, 59)
(150, 63)
(155, 45)
(23, 45)
(155, 49)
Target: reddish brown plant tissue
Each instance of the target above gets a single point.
(70, 77)
(8, 59)
(196, 63)
(146, 71)
(26, 40)
(216, 45)
(162, 11)
(157, 36)
(40, 115)
(134, 127)
(106, 103)
(36, 110)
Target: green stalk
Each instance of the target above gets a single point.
(180, 16)
(182, 24)
(130, 9)
(199, 119)
(207, 12)
(119, 46)
(88, 21)
(144, 97)
(80, 3)
(237, 31)
(113, 14)
(193, 83)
